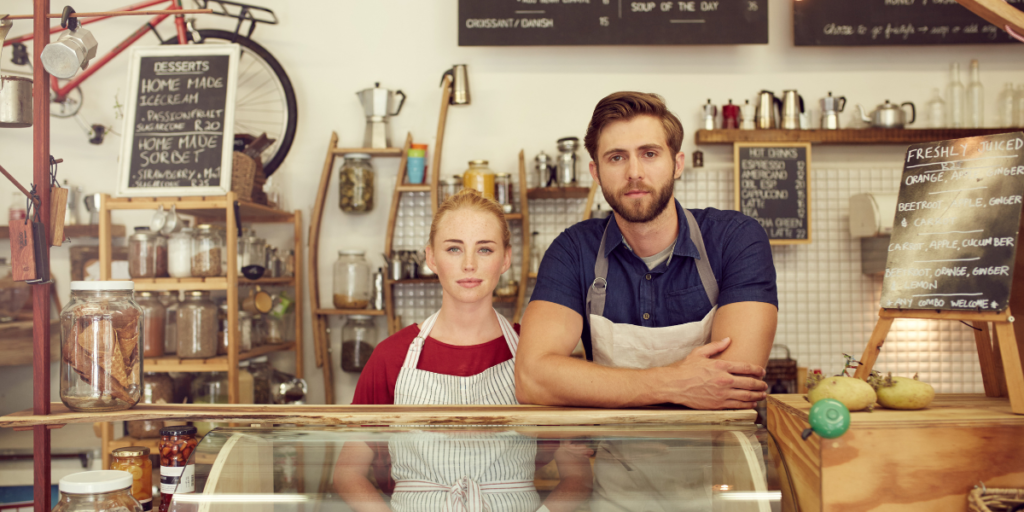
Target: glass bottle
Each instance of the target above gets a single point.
(956, 98)
(351, 280)
(358, 338)
(207, 252)
(154, 322)
(197, 326)
(97, 491)
(135, 460)
(179, 253)
(177, 475)
(479, 177)
(503, 191)
(355, 184)
(1006, 103)
(975, 98)
(103, 318)
(936, 110)
(170, 322)
(535, 252)
(147, 254)
(449, 187)
(157, 388)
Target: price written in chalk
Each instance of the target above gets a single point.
(773, 188)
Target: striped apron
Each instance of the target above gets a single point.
(461, 471)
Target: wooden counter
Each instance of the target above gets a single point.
(901, 460)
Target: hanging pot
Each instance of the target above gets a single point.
(15, 92)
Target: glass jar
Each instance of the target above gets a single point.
(157, 388)
(100, 341)
(147, 254)
(154, 318)
(97, 491)
(448, 187)
(207, 252)
(197, 326)
(170, 302)
(262, 373)
(351, 280)
(503, 191)
(254, 248)
(209, 388)
(135, 460)
(179, 253)
(244, 331)
(507, 287)
(272, 330)
(177, 475)
(358, 338)
(289, 264)
(355, 184)
(479, 177)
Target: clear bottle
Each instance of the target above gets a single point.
(975, 111)
(1007, 106)
(358, 338)
(197, 326)
(154, 324)
(102, 318)
(147, 254)
(956, 98)
(355, 184)
(97, 491)
(503, 191)
(479, 177)
(135, 461)
(179, 253)
(936, 110)
(157, 388)
(207, 252)
(19, 208)
(352, 285)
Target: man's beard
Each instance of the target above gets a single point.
(635, 211)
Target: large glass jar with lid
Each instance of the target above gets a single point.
(207, 252)
(358, 338)
(352, 281)
(179, 253)
(97, 491)
(255, 250)
(449, 187)
(503, 191)
(479, 177)
(197, 325)
(157, 388)
(147, 254)
(154, 319)
(101, 347)
(244, 330)
(355, 184)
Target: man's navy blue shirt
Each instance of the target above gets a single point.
(672, 293)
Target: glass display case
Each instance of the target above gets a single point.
(502, 468)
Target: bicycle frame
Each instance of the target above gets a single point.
(60, 93)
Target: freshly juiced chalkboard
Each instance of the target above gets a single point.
(954, 238)
(179, 122)
(611, 22)
(773, 186)
(891, 22)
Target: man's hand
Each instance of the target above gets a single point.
(702, 382)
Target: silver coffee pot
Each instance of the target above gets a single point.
(792, 108)
(566, 173)
(831, 106)
(767, 116)
(379, 106)
(71, 51)
(889, 115)
(545, 167)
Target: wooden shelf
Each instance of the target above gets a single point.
(558, 193)
(205, 207)
(347, 312)
(503, 300)
(184, 283)
(845, 136)
(267, 281)
(513, 216)
(369, 151)
(413, 188)
(213, 364)
(78, 231)
(531, 275)
(420, 280)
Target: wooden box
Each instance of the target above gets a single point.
(901, 460)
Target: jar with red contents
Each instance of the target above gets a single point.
(177, 474)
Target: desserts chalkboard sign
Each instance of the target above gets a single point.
(611, 22)
(773, 186)
(178, 136)
(954, 238)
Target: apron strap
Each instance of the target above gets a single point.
(412, 357)
(707, 276)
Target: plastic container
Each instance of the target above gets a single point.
(197, 326)
(147, 254)
(479, 177)
(355, 184)
(157, 388)
(179, 253)
(503, 191)
(176, 474)
(416, 164)
(207, 252)
(154, 324)
(97, 491)
(358, 338)
(135, 460)
(101, 347)
(352, 285)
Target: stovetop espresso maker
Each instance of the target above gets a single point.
(379, 105)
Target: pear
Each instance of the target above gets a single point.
(903, 392)
(854, 393)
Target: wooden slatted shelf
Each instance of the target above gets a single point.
(558, 193)
(212, 364)
(178, 284)
(78, 231)
(368, 151)
(266, 281)
(513, 216)
(845, 136)
(204, 207)
(413, 188)
(346, 312)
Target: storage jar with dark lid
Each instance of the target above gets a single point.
(358, 338)
(197, 326)
(154, 318)
(355, 184)
(147, 254)
(97, 491)
(135, 460)
(207, 252)
(101, 347)
(157, 388)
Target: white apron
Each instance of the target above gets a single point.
(470, 471)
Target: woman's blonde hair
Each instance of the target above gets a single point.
(469, 198)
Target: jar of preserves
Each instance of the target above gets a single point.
(157, 388)
(179, 253)
(197, 326)
(355, 184)
(479, 177)
(154, 321)
(503, 191)
(97, 491)
(171, 303)
(177, 475)
(449, 187)
(358, 338)
(101, 345)
(207, 252)
(351, 280)
(147, 254)
(135, 460)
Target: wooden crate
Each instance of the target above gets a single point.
(901, 460)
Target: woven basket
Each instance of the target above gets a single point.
(994, 500)
(243, 173)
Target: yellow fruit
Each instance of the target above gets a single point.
(854, 393)
(905, 393)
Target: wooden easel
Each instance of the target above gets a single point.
(1001, 369)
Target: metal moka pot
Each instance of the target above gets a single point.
(379, 105)
(71, 51)
(831, 106)
(767, 115)
(460, 84)
(15, 91)
(792, 107)
(545, 168)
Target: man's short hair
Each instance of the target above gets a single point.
(626, 105)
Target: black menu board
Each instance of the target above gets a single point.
(611, 22)
(954, 237)
(179, 123)
(773, 186)
(891, 22)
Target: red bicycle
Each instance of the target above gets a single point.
(265, 99)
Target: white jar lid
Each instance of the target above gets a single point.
(102, 285)
(96, 482)
(358, 155)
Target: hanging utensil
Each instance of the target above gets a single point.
(15, 91)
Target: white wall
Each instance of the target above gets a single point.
(523, 98)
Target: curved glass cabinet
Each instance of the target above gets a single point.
(507, 468)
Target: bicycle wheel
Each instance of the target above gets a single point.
(265, 100)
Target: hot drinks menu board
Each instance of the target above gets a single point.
(773, 186)
(179, 124)
(891, 22)
(954, 237)
(611, 22)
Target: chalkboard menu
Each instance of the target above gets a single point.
(179, 125)
(954, 237)
(611, 22)
(773, 185)
(891, 22)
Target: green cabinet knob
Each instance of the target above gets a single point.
(829, 418)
